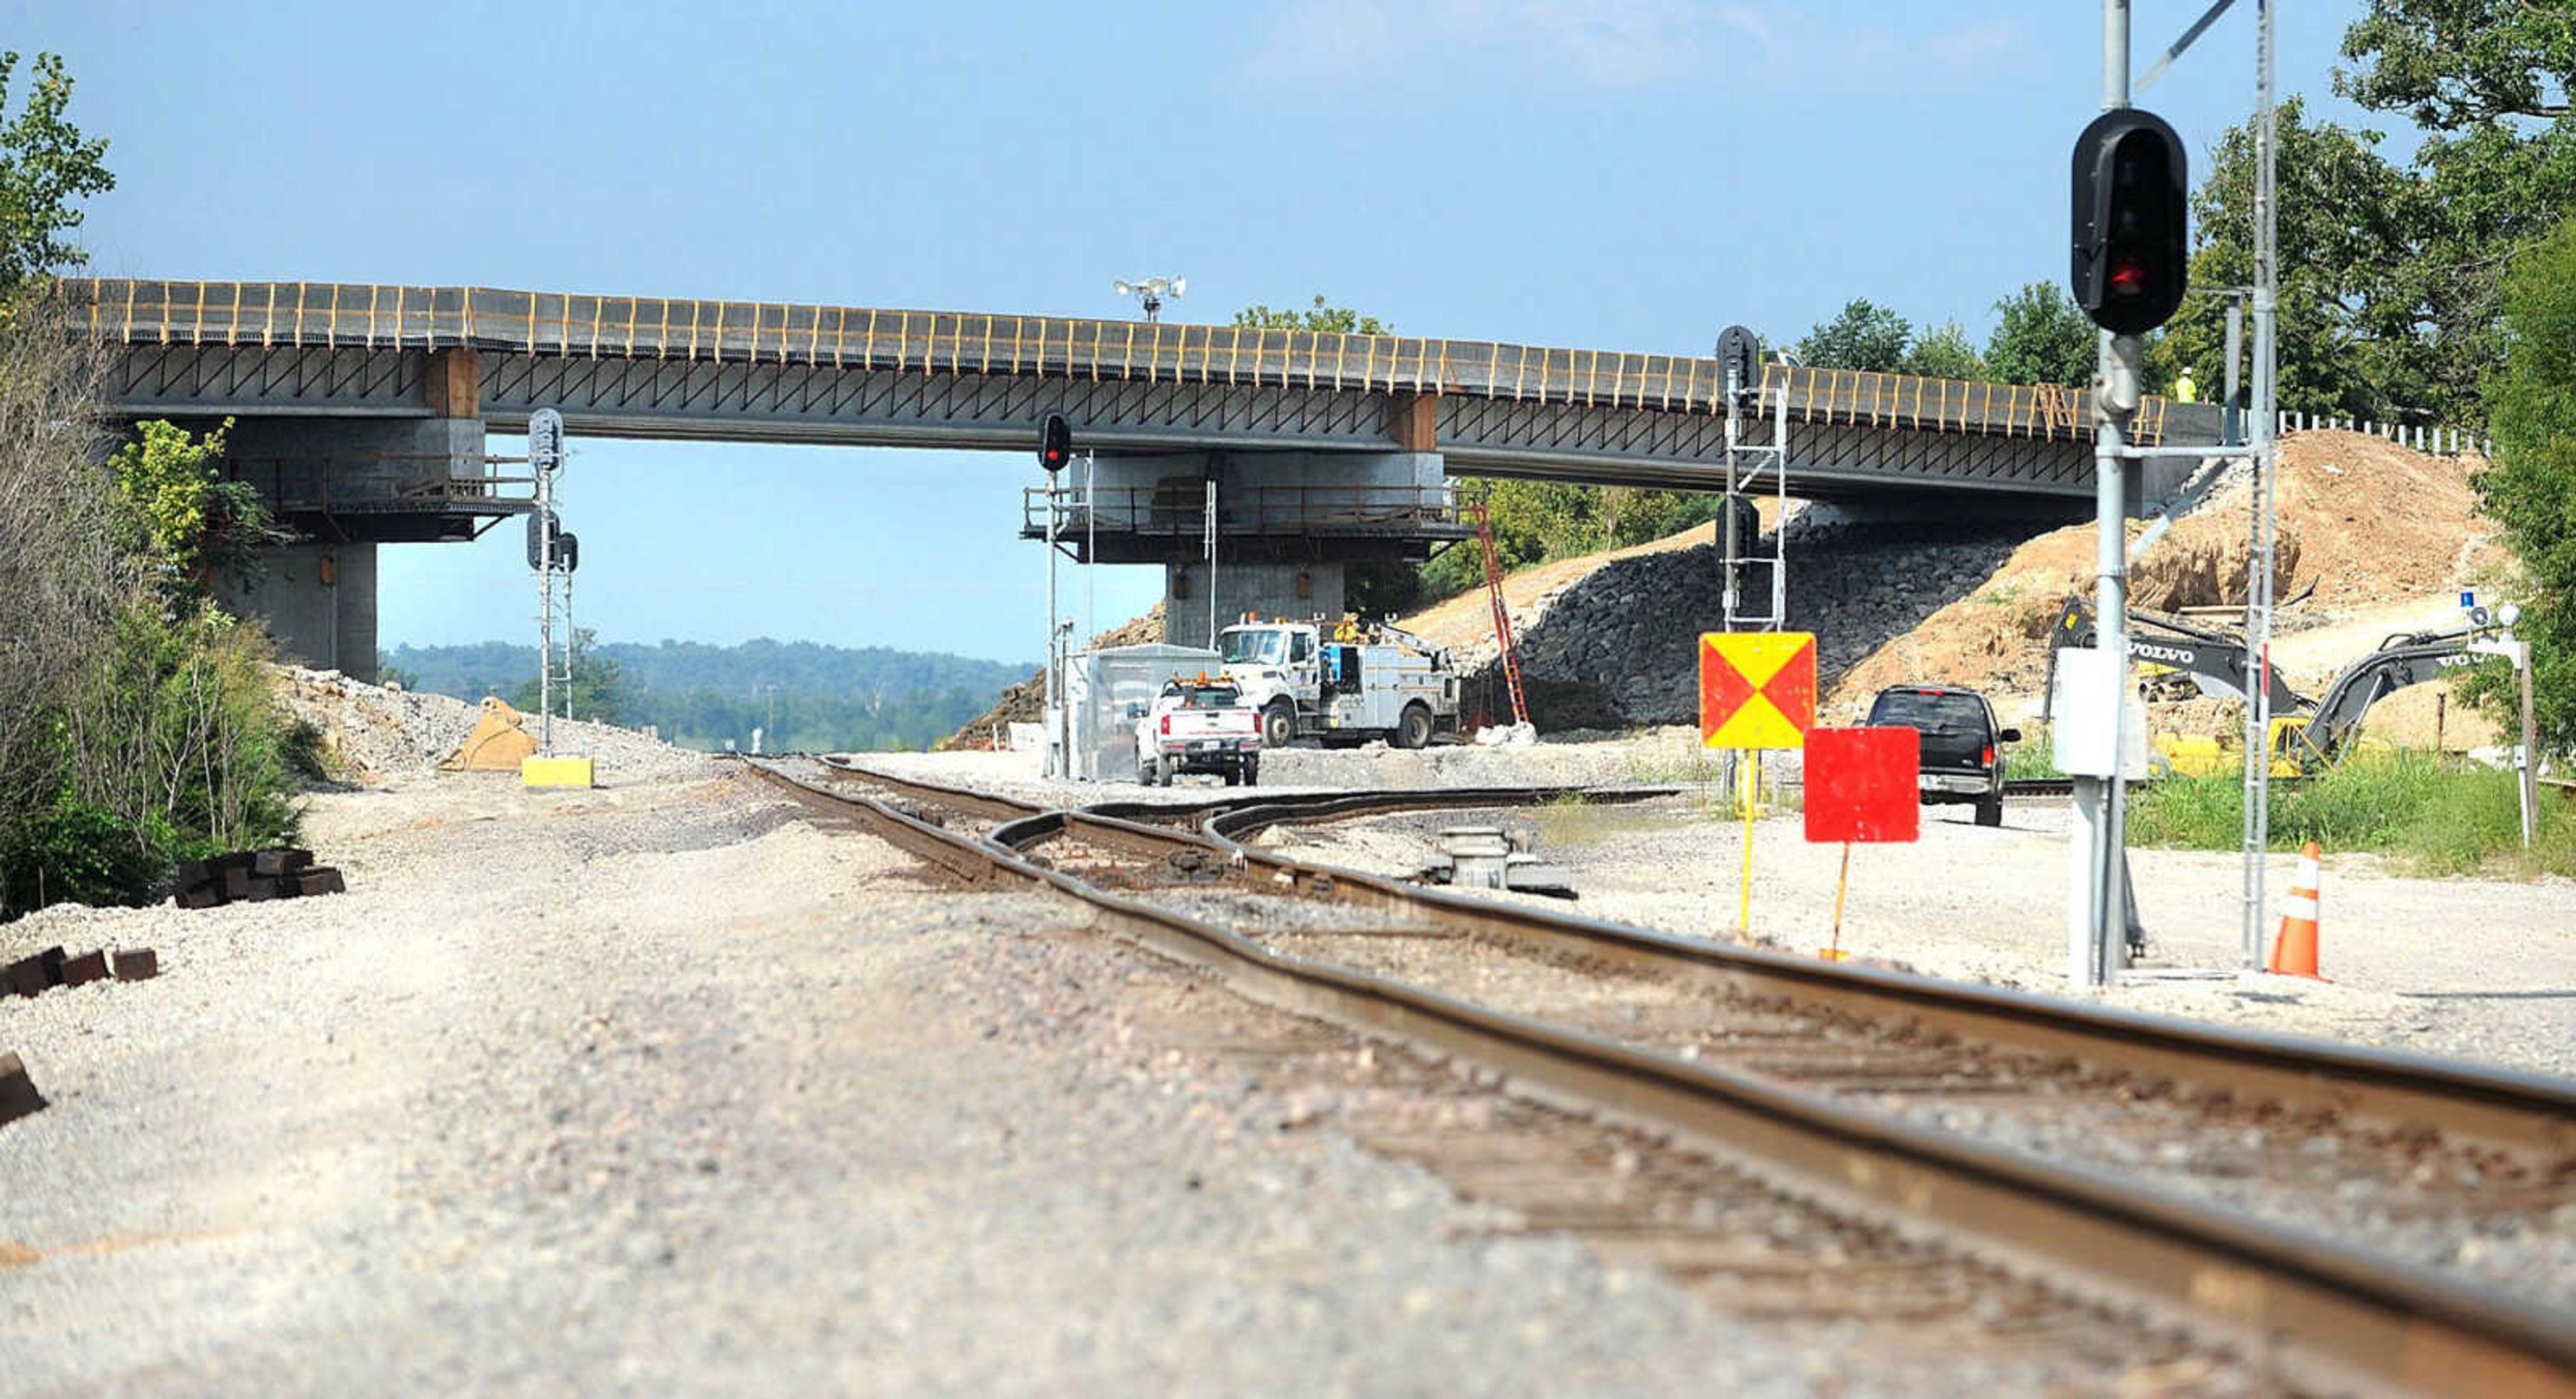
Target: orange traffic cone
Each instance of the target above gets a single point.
(2294, 951)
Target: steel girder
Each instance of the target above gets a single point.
(701, 400)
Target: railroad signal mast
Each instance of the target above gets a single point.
(2130, 265)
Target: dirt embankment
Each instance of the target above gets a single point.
(2382, 535)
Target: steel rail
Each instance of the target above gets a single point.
(2341, 1314)
(2519, 1111)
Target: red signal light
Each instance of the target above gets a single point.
(1055, 442)
(2128, 277)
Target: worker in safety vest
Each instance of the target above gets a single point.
(2186, 389)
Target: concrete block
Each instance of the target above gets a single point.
(556, 772)
(137, 964)
(321, 880)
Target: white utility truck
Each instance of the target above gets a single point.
(1343, 683)
(1197, 727)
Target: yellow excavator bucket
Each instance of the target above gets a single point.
(497, 743)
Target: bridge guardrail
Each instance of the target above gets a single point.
(333, 315)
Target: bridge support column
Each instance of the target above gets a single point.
(318, 602)
(1292, 590)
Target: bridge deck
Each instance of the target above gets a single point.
(336, 314)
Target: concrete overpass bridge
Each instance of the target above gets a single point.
(362, 411)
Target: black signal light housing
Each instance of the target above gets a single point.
(2132, 252)
(1055, 443)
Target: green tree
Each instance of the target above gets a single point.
(2042, 337)
(2490, 81)
(1319, 316)
(2530, 491)
(1946, 352)
(2348, 224)
(1861, 336)
(45, 168)
(600, 689)
(194, 525)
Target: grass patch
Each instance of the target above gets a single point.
(2034, 756)
(2400, 804)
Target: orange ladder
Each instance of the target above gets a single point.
(1502, 612)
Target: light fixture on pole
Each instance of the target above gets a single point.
(1151, 291)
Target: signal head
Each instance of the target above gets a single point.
(2132, 250)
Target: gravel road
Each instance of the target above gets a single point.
(655, 1088)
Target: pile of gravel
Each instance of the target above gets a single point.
(380, 733)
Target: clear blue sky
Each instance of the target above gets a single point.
(1615, 174)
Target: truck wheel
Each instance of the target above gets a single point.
(1251, 772)
(1278, 724)
(1414, 729)
(1990, 810)
(1148, 772)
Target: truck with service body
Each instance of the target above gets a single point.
(1343, 683)
(1198, 726)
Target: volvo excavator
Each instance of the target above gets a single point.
(2306, 734)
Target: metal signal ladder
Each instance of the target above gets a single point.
(1502, 611)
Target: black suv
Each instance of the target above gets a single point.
(1963, 748)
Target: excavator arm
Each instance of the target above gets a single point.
(2214, 661)
(2399, 662)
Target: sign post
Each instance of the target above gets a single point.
(1757, 690)
(1861, 788)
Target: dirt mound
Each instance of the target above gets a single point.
(1025, 703)
(2368, 523)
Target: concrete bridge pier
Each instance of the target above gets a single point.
(318, 602)
(348, 483)
(1288, 525)
(1292, 590)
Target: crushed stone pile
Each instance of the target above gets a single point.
(380, 734)
(1025, 703)
(1618, 648)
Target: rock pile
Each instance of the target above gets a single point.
(1620, 648)
(378, 733)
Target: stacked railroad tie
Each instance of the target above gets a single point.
(35, 975)
(253, 875)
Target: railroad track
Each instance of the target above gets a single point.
(1786, 1070)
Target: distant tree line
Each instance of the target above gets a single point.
(804, 694)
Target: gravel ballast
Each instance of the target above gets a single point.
(656, 1088)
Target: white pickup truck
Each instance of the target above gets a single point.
(1198, 728)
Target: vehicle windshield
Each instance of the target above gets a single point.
(1940, 713)
(1253, 645)
(1208, 697)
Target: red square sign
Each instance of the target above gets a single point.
(1861, 784)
